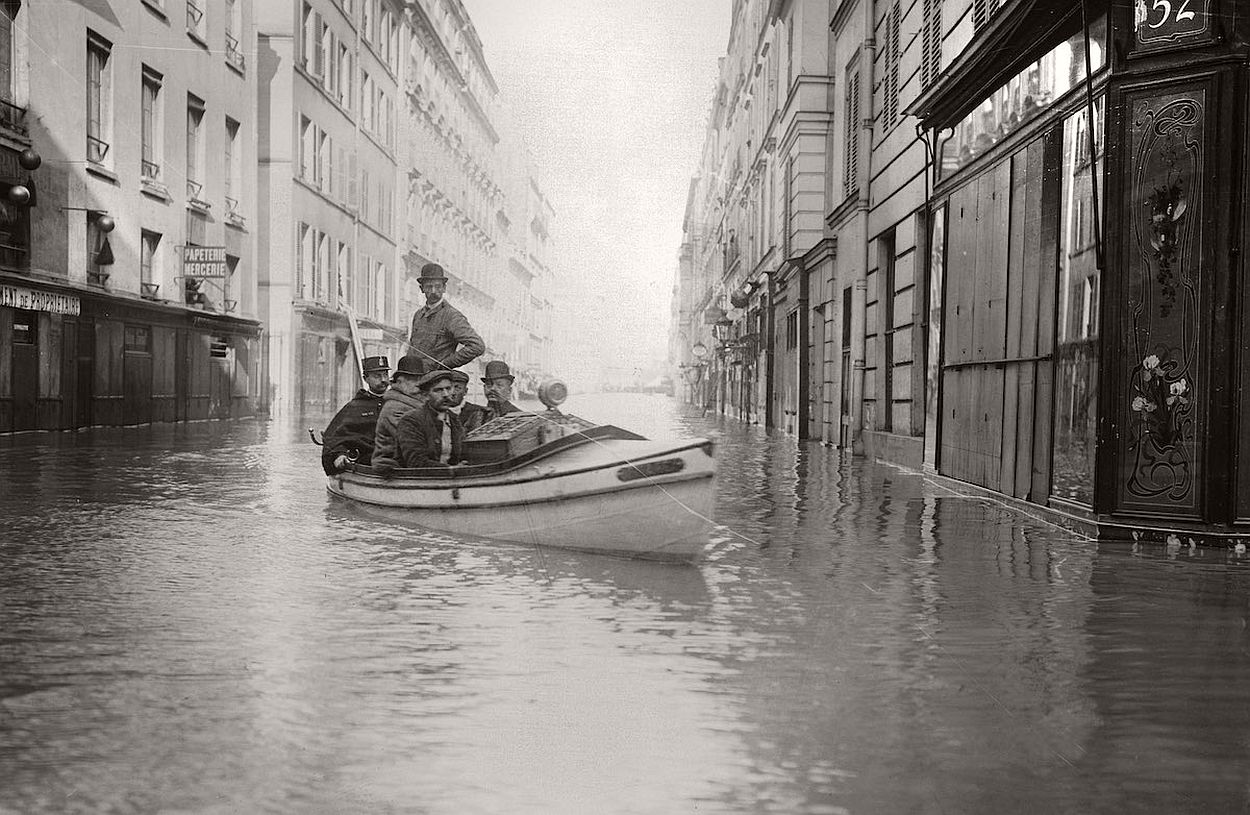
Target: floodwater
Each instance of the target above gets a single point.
(189, 625)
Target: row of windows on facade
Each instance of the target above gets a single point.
(378, 29)
(329, 60)
(197, 20)
(325, 273)
(152, 130)
(153, 264)
(438, 162)
(332, 170)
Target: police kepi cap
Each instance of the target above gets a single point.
(374, 364)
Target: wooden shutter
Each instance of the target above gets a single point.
(853, 125)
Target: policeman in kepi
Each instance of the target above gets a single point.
(349, 438)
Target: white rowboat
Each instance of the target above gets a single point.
(594, 488)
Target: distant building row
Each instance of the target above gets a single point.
(194, 194)
(903, 240)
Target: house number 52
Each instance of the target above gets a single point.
(1182, 13)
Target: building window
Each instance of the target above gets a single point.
(8, 12)
(99, 253)
(893, 53)
(1023, 97)
(234, 30)
(149, 243)
(195, 19)
(851, 141)
(886, 260)
(792, 330)
(234, 171)
(345, 83)
(344, 273)
(303, 257)
(195, 147)
(931, 42)
(151, 126)
(99, 99)
(982, 11)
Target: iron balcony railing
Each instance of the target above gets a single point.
(150, 290)
(151, 170)
(234, 54)
(194, 15)
(97, 149)
(13, 117)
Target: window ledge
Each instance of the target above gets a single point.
(197, 37)
(154, 6)
(155, 190)
(238, 69)
(101, 171)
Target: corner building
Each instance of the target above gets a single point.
(128, 270)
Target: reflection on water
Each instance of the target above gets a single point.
(187, 624)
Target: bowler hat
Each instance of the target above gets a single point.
(411, 365)
(371, 365)
(437, 375)
(498, 369)
(432, 271)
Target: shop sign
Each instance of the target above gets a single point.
(18, 297)
(202, 262)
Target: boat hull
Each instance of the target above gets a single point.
(628, 498)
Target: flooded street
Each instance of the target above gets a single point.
(189, 625)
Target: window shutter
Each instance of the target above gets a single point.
(980, 13)
(853, 126)
(353, 191)
(931, 44)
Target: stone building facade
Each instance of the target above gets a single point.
(1028, 293)
(128, 271)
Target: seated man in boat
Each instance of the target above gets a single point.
(349, 438)
(404, 395)
(497, 384)
(431, 435)
(440, 334)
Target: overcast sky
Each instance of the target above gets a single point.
(612, 98)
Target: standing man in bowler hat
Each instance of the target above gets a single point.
(440, 334)
(497, 384)
(349, 438)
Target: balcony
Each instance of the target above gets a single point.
(97, 149)
(195, 16)
(150, 291)
(233, 216)
(234, 54)
(13, 118)
(97, 278)
(194, 190)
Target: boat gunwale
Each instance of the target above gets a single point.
(461, 507)
(472, 475)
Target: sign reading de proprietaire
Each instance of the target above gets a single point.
(18, 297)
(204, 261)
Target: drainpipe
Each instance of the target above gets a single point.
(859, 301)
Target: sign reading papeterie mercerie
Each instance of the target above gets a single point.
(204, 261)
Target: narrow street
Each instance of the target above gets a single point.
(188, 623)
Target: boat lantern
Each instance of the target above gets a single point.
(553, 392)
